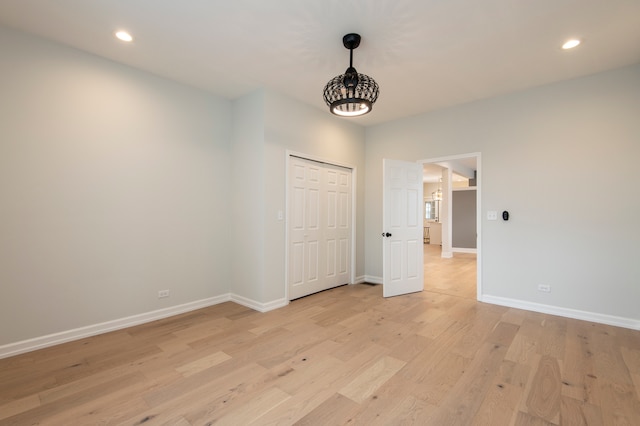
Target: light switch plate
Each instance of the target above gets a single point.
(492, 215)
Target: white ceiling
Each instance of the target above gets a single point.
(425, 54)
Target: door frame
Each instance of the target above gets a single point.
(352, 237)
(478, 157)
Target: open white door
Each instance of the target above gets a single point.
(403, 261)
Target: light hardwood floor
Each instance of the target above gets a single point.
(454, 276)
(344, 356)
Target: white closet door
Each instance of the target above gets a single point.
(319, 226)
(337, 231)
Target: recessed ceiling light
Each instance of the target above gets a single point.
(571, 44)
(124, 36)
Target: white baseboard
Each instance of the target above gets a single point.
(105, 327)
(36, 343)
(372, 279)
(446, 254)
(631, 323)
(258, 306)
(359, 280)
(464, 250)
(29, 345)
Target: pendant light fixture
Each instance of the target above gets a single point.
(437, 196)
(351, 94)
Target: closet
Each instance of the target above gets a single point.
(319, 226)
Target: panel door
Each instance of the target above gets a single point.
(319, 227)
(403, 261)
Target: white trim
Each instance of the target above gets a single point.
(479, 178)
(446, 236)
(91, 330)
(631, 323)
(450, 157)
(446, 254)
(359, 280)
(372, 279)
(464, 250)
(287, 183)
(257, 306)
(318, 159)
(354, 207)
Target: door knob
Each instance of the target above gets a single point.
(386, 234)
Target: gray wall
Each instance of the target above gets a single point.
(248, 197)
(266, 125)
(116, 184)
(546, 154)
(463, 212)
(290, 125)
(113, 185)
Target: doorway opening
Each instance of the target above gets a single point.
(452, 225)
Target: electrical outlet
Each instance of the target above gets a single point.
(163, 293)
(492, 215)
(544, 288)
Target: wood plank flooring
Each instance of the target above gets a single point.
(344, 356)
(454, 276)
